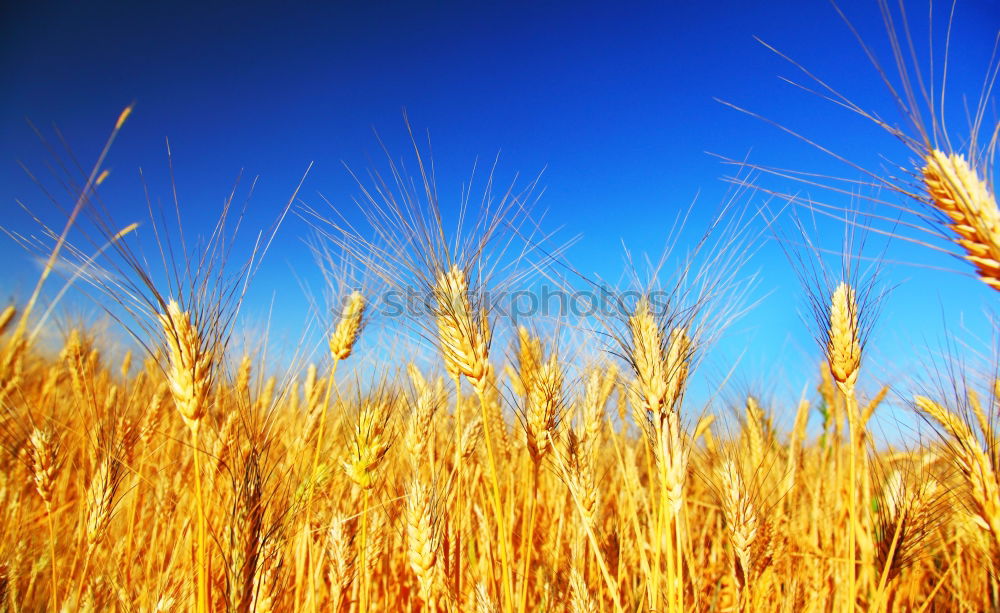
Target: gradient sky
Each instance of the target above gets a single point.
(615, 102)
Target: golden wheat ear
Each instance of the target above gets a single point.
(44, 461)
(843, 348)
(464, 332)
(423, 532)
(744, 524)
(955, 189)
(342, 559)
(345, 335)
(191, 359)
(370, 441)
(976, 464)
(545, 407)
(912, 508)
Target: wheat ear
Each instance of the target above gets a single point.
(423, 537)
(974, 464)
(343, 559)
(544, 407)
(43, 460)
(741, 519)
(955, 189)
(345, 335)
(844, 344)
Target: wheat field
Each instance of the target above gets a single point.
(504, 466)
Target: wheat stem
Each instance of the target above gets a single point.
(458, 483)
(532, 502)
(363, 567)
(202, 597)
(609, 580)
(852, 500)
(497, 506)
(52, 554)
(680, 559)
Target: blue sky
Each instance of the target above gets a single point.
(615, 102)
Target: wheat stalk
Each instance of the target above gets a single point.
(661, 363)
(464, 336)
(190, 376)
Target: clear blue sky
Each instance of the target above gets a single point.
(616, 102)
